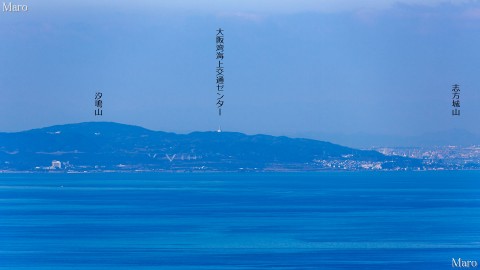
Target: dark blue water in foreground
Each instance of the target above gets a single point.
(401, 220)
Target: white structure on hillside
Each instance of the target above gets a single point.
(56, 164)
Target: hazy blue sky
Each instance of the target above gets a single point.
(291, 67)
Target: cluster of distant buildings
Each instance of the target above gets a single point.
(436, 152)
(439, 157)
(56, 165)
(349, 164)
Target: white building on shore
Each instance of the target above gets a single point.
(56, 164)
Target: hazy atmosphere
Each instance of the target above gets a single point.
(349, 134)
(299, 68)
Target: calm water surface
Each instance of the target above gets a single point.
(347, 220)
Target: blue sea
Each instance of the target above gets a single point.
(327, 220)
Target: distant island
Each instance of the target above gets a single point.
(114, 147)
